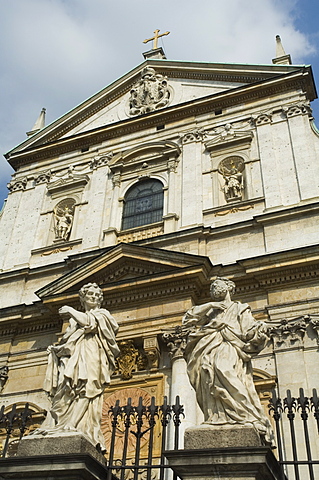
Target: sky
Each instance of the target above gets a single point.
(57, 53)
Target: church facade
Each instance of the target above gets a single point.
(174, 174)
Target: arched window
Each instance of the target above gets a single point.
(143, 204)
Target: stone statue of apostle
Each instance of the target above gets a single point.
(223, 338)
(80, 367)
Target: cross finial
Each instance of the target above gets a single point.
(155, 38)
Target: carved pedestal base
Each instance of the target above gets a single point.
(230, 453)
(69, 457)
(67, 443)
(211, 436)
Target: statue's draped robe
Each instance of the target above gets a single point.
(219, 365)
(78, 370)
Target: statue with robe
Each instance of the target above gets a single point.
(80, 367)
(223, 337)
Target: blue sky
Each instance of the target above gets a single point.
(57, 53)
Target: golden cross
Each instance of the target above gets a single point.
(155, 38)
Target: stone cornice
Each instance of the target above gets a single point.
(240, 95)
(27, 319)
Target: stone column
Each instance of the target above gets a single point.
(114, 217)
(171, 218)
(110, 234)
(192, 191)
(176, 342)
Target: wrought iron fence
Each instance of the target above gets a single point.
(139, 434)
(11, 420)
(148, 422)
(297, 428)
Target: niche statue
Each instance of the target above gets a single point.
(79, 368)
(223, 337)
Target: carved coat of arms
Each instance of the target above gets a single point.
(150, 93)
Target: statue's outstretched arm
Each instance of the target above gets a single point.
(70, 312)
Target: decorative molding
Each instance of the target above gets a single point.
(176, 341)
(138, 269)
(297, 109)
(51, 249)
(242, 208)
(172, 165)
(226, 209)
(43, 177)
(57, 250)
(193, 136)
(4, 374)
(229, 137)
(16, 185)
(17, 328)
(150, 93)
(289, 275)
(73, 181)
(262, 119)
(140, 233)
(116, 179)
(289, 333)
(101, 160)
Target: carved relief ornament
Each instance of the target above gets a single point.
(228, 136)
(149, 93)
(130, 360)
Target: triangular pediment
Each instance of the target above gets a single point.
(129, 267)
(180, 84)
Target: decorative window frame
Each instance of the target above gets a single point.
(134, 185)
(154, 160)
(143, 160)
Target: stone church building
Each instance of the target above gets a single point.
(174, 174)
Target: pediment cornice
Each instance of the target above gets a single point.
(130, 273)
(49, 142)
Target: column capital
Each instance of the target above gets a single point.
(176, 340)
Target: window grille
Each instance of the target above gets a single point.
(143, 204)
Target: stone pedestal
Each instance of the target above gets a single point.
(214, 436)
(228, 453)
(66, 457)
